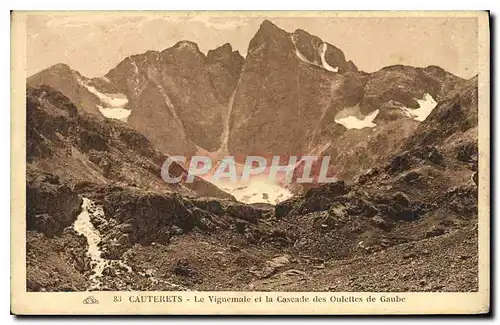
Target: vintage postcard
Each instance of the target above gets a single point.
(250, 162)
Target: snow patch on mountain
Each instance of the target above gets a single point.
(168, 101)
(325, 64)
(134, 65)
(113, 105)
(303, 58)
(321, 51)
(255, 191)
(352, 118)
(121, 114)
(110, 100)
(105, 79)
(426, 105)
(299, 55)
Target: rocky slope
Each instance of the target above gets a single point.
(178, 93)
(401, 86)
(361, 237)
(453, 124)
(83, 149)
(408, 224)
(70, 83)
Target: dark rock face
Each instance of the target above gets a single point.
(281, 101)
(178, 97)
(182, 87)
(61, 271)
(138, 216)
(147, 214)
(453, 123)
(224, 66)
(287, 100)
(311, 48)
(51, 206)
(282, 209)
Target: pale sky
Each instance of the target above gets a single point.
(95, 43)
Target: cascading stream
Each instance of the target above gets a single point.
(84, 226)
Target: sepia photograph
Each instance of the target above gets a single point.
(251, 152)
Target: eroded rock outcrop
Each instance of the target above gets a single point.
(50, 205)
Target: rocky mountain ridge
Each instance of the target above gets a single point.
(83, 149)
(293, 94)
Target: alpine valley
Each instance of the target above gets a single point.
(403, 143)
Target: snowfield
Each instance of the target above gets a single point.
(323, 60)
(255, 191)
(321, 53)
(121, 114)
(426, 105)
(113, 105)
(352, 118)
(110, 100)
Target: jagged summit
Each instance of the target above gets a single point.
(221, 52)
(287, 79)
(187, 45)
(308, 48)
(269, 26)
(226, 48)
(61, 67)
(69, 82)
(226, 56)
(269, 31)
(58, 68)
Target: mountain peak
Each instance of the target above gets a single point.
(227, 47)
(187, 45)
(183, 51)
(267, 24)
(438, 71)
(60, 66)
(224, 54)
(268, 31)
